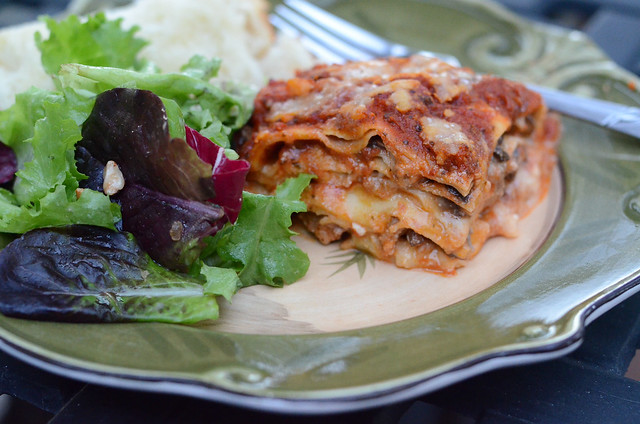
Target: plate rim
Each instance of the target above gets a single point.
(341, 404)
(578, 317)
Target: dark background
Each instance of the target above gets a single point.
(598, 383)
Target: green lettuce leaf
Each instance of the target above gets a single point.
(52, 164)
(259, 245)
(220, 281)
(96, 41)
(205, 107)
(18, 121)
(56, 209)
(201, 68)
(43, 135)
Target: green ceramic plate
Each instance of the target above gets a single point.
(365, 334)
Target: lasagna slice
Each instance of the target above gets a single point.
(417, 162)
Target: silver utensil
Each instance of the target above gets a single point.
(336, 40)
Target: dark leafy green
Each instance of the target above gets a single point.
(92, 274)
(171, 230)
(169, 182)
(92, 168)
(129, 126)
(8, 164)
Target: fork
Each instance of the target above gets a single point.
(335, 40)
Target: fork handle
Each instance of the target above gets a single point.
(618, 117)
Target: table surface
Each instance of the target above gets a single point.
(587, 386)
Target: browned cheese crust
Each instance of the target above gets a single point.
(417, 162)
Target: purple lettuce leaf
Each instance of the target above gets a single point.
(91, 167)
(169, 229)
(83, 273)
(8, 164)
(228, 174)
(129, 127)
(176, 192)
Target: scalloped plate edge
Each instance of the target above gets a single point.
(502, 357)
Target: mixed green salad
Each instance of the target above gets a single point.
(177, 234)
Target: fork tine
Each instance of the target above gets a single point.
(317, 49)
(342, 33)
(316, 36)
(346, 31)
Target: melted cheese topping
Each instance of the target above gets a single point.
(417, 162)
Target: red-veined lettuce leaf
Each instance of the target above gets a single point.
(228, 175)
